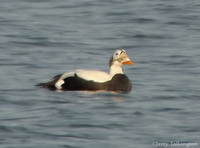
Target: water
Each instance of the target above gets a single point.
(40, 39)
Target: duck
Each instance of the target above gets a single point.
(94, 80)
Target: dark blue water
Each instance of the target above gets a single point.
(40, 39)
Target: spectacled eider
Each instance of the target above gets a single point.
(93, 80)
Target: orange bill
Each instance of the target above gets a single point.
(128, 62)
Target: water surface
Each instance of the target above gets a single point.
(40, 39)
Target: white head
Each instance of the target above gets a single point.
(119, 58)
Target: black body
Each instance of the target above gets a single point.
(119, 82)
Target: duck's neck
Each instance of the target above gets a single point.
(116, 69)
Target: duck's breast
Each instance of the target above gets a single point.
(120, 82)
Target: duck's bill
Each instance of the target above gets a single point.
(128, 62)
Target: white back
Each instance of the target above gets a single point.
(90, 75)
(93, 75)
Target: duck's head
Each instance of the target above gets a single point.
(120, 58)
